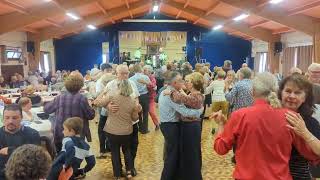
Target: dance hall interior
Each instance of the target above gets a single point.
(160, 89)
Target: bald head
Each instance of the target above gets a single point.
(122, 72)
(244, 65)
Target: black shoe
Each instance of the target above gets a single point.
(213, 131)
(134, 172)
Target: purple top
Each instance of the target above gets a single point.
(70, 105)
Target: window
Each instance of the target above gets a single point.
(13, 53)
(295, 57)
(104, 58)
(262, 62)
(44, 63)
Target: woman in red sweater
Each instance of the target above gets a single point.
(260, 132)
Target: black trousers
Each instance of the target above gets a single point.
(143, 116)
(103, 140)
(171, 134)
(134, 142)
(117, 141)
(190, 150)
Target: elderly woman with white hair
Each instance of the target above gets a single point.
(314, 78)
(263, 140)
(152, 87)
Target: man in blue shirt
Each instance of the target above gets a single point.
(241, 94)
(141, 80)
(170, 128)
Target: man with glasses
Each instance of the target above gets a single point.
(122, 72)
(170, 126)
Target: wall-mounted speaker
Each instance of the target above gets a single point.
(278, 46)
(30, 46)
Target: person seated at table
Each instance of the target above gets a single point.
(26, 105)
(70, 104)
(28, 162)
(74, 151)
(14, 82)
(13, 134)
(41, 86)
(20, 80)
(29, 92)
(2, 83)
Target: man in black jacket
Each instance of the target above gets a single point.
(13, 134)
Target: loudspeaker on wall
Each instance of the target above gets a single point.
(278, 47)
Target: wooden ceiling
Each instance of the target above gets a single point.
(47, 19)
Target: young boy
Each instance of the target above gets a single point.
(74, 150)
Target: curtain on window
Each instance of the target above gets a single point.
(260, 62)
(288, 59)
(304, 57)
(41, 62)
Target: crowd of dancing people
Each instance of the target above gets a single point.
(270, 121)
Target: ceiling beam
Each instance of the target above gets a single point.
(282, 30)
(178, 15)
(53, 23)
(186, 4)
(259, 23)
(30, 30)
(14, 6)
(128, 7)
(304, 8)
(300, 23)
(100, 6)
(197, 20)
(262, 3)
(258, 33)
(212, 7)
(16, 20)
(209, 11)
(103, 10)
(96, 19)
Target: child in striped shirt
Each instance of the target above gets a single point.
(74, 151)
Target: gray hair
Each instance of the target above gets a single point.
(266, 85)
(171, 76)
(125, 88)
(148, 68)
(246, 73)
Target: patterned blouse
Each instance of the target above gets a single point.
(241, 95)
(193, 100)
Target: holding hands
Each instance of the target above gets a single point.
(219, 117)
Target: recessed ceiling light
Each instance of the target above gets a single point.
(241, 17)
(155, 8)
(73, 16)
(275, 1)
(217, 27)
(92, 27)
